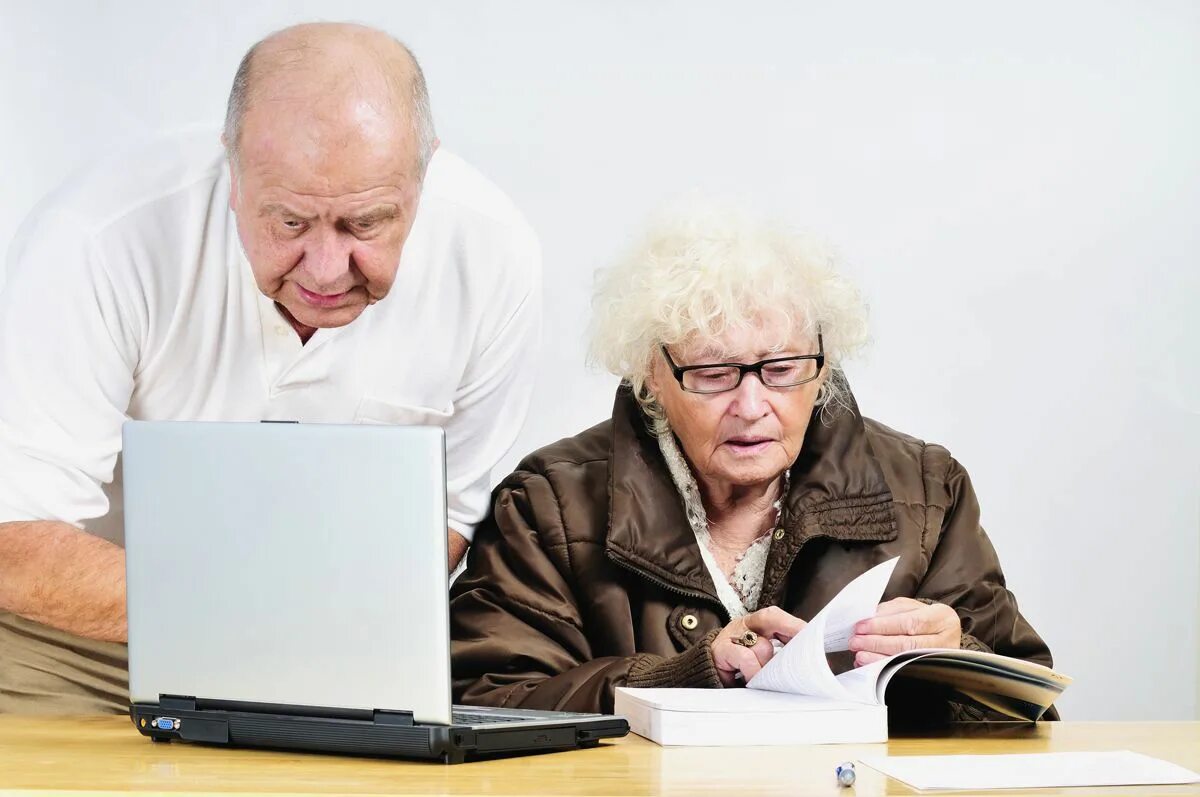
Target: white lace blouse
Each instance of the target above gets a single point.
(740, 592)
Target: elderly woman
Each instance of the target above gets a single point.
(736, 488)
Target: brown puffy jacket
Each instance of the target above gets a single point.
(586, 575)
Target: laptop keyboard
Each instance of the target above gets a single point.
(472, 718)
(460, 715)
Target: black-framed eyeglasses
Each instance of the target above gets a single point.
(775, 372)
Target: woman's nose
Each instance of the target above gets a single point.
(750, 398)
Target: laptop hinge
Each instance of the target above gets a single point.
(382, 717)
(176, 703)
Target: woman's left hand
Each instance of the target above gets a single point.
(904, 624)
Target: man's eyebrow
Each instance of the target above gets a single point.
(377, 213)
(272, 208)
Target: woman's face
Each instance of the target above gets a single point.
(745, 436)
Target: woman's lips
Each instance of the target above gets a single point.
(321, 299)
(747, 445)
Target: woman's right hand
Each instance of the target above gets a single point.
(733, 660)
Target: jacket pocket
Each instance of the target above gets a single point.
(687, 625)
(372, 411)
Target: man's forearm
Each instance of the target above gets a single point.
(457, 546)
(55, 574)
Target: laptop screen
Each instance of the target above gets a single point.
(288, 564)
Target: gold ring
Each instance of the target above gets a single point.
(746, 640)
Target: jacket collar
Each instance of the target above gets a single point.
(837, 491)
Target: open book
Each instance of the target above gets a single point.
(1017, 688)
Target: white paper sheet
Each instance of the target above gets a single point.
(857, 601)
(1030, 771)
(800, 665)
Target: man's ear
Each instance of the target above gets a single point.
(233, 177)
(234, 189)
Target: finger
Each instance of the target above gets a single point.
(744, 661)
(781, 637)
(728, 656)
(916, 622)
(763, 650)
(891, 644)
(736, 628)
(727, 669)
(864, 657)
(774, 622)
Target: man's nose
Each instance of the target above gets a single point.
(327, 258)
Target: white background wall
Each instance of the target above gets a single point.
(1016, 185)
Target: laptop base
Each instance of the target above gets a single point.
(386, 734)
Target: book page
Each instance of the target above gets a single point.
(1021, 689)
(1005, 666)
(857, 601)
(864, 682)
(800, 666)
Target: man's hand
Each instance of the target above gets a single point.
(732, 659)
(457, 546)
(904, 624)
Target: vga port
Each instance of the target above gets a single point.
(166, 724)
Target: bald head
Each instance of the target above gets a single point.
(336, 82)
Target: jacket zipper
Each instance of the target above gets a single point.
(687, 593)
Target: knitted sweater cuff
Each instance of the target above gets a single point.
(694, 667)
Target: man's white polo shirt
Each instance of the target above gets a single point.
(128, 295)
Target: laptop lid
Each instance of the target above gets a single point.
(288, 564)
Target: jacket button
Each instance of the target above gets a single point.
(689, 622)
(779, 534)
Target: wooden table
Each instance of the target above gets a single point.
(105, 754)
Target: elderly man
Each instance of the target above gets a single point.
(188, 283)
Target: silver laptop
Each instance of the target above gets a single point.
(287, 588)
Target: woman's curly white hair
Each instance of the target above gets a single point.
(700, 270)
